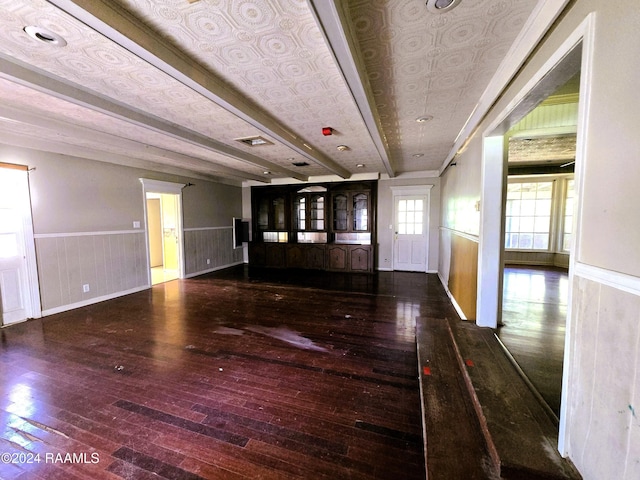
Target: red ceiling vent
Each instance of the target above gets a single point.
(326, 131)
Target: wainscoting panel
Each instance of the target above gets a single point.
(107, 262)
(208, 249)
(463, 276)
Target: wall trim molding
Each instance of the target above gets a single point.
(91, 301)
(619, 281)
(88, 234)
(468, 236)
(201, 229)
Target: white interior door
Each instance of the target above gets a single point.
(411, 233)
(15, 299)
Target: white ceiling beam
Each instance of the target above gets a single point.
(62, 148)
(27, 75)
(134, 148)
(115, 23)
(333, 17)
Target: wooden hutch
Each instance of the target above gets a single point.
(321, 226)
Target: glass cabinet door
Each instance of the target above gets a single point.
(340, 212)
(317, 212)
(360, 212)
(279, 222)
(300, 213)
(263, 214)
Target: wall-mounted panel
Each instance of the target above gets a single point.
(75, 268)
(463, 276)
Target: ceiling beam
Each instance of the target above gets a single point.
(62, 148)
(29, 76)
(118, 25)
(333, 17)
(134, 148)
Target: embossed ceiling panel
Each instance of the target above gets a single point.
(420, 63)
(274, 53)
(271, 58)
(555, 149)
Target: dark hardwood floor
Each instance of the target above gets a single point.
(237, 374)
(534, 317)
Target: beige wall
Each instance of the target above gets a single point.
(600, 419)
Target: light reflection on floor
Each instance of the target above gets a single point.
(160, 275)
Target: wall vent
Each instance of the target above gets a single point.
(254, 141)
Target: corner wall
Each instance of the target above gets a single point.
(83, 220)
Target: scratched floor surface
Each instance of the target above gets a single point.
(222, 376)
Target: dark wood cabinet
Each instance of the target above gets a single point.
(328, 226)
(360, 258)
(337, 257)
(351, 211)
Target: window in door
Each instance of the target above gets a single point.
(410, 217)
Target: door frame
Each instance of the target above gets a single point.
(401, 191)
(169, 188)
(32, 283)
(493, 192)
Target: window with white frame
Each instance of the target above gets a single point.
(539, 213)
(567, 224)
(528, 215)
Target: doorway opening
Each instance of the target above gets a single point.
(570, 60)
(163, 222)
(19, 299)
(162, 229)
(538, 219)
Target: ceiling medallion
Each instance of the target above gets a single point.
(45, 35)
(441, 6)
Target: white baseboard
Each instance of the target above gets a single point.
(214, 269)
(453, 300)
(91, 301)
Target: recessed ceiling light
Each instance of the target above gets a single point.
(300, 164)
(424, 119)
(45, 35)
(267, 172)
(360, 165)
(418, 155)
(441, 6)
(342, 148)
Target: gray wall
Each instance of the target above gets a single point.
(83, 220)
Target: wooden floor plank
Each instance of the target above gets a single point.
(451, 427)
(229, 375)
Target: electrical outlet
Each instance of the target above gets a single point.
(208, 261)
(85, 288)
(136, 224)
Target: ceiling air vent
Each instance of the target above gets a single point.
(254, 141)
